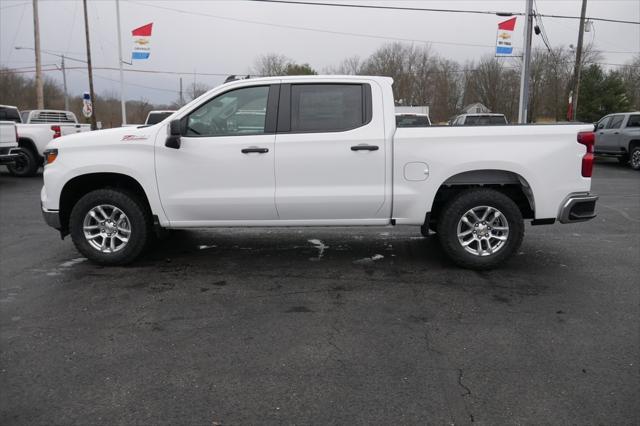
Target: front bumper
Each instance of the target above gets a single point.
(578, 208)
(10, 156)
(52, 218)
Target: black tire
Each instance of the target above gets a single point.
(26, 165)
(458, 206)
(136, 213)
(634, 156)
(624, 160)
(424, 231)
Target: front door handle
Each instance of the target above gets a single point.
(254, 149)
(364, 148)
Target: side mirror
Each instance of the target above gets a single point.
(175, 131)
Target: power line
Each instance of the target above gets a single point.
(14, 5)
(423, 9)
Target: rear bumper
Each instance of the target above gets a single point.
(52, 218)
(578, 208)
(10, 156)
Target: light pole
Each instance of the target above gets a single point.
(123, 104)
(526, 61)
(578, 66)
(36, 39)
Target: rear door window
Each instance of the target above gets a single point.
(634, 121)
(616, 122)
(327, 107)
(9, 114)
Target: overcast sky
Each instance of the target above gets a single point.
(211, 37)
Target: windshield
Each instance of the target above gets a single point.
(412, 120)
(485, 120)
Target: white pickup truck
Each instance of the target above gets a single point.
(315, 151)
(36, 128)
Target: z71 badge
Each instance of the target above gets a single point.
(128, 138)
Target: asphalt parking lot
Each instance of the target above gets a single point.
(322, 326)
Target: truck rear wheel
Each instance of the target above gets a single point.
(25, 165)
(109, 226)
(480, 228)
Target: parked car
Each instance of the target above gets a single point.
(154, 117)
(35, 129)
(618, 135)
(412, 120)
(327, 153)
(8, 143)
(481, 119)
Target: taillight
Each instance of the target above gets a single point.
(587, 139)
(56, 131)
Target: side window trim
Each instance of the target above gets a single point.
(284, 108)
(271, 118)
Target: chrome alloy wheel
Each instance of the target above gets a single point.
(635, 159)
(106, 228)
(483, 230)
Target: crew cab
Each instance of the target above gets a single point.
(318, 151)
(36, 128)
(618, 135)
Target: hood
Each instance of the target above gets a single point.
(117, 136)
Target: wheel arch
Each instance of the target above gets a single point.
(512, 184)
(28, 143)
(80, 185)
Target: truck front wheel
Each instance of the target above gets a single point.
(635, 157)
(109, 226)
(480, 228)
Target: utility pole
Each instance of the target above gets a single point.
(526, 61)
(36, 38)
(181, 97)
(123, 103)
(578, 67)
(94, 125)
(64, 83)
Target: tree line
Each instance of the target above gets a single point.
(421, 77)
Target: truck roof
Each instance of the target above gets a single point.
(284, 78)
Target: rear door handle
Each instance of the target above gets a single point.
(364, 148)
(254, 149)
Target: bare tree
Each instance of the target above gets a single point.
(349, 66)
(270, 64)
(196, 89)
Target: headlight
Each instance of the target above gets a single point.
(50, 156)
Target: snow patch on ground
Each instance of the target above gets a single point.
(72, 262)
(368, 260)
(321, 248)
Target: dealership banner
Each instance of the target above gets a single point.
(141, 42)
(504, 46)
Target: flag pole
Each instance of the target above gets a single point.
(123, 104)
